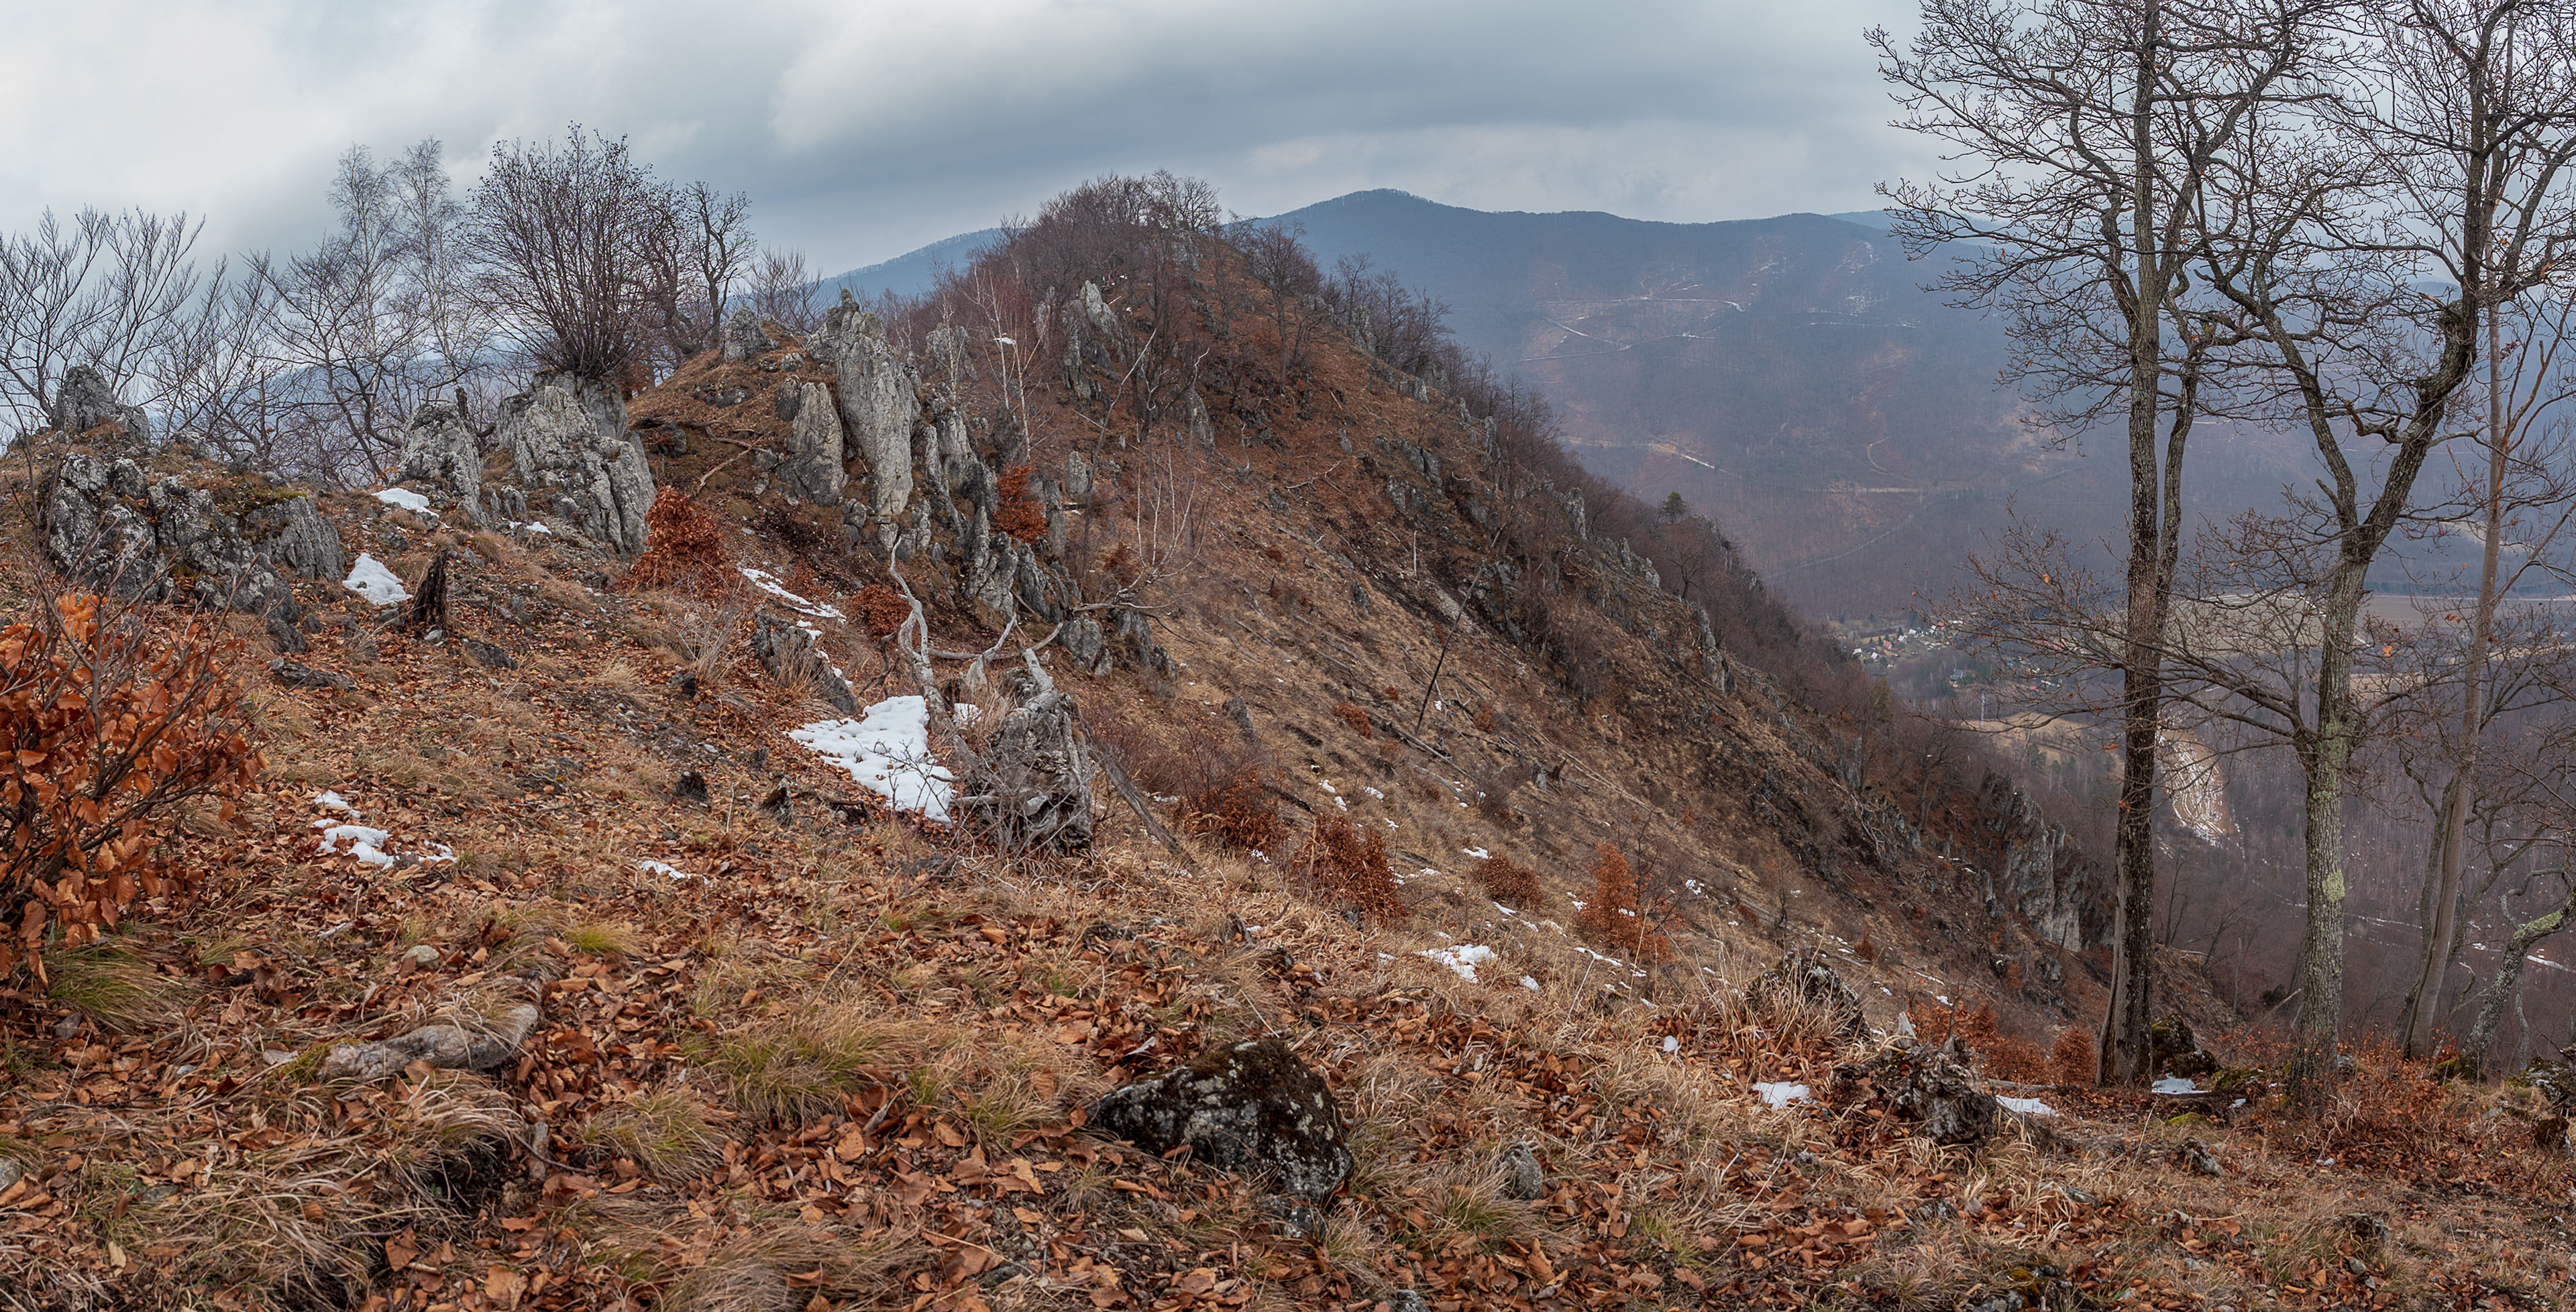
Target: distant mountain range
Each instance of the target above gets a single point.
(1788, 376)
(908, 274)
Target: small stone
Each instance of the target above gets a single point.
(67, 1026)
(691, 787)
(421, 957)
(1522, 1178)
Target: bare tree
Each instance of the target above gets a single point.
(560, 240)
(783, 291)
(106, 290)
(2083, 133)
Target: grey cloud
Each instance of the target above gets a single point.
(863, 129)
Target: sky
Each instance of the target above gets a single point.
(863, 129)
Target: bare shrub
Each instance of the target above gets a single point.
(1348, 866)
(1236, 807)
(1019, 514)
(1353, 716)
(109, 727)
(882, 610)
(1508, 883)
(2071, 1059)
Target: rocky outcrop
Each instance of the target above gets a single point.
(878, 408)
(442, 458)
(745, 336)
(572, 456)
(2038, 873)
(1035, 791)
(107, 525)
(1930, 1086)
(810, 469)
(788, 652)
(85, 403)
(483, 1043)
(1251, 1107)
(1805, 983)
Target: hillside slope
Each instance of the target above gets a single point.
(547, 967)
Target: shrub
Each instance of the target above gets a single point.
(107, 728)
(1236, 807)
(1513, 885)
(683, 548)
(1349, 866)
(1353, 716)
(1019, 514)
(882, 610)
(2071, 1060)
(1613, 917)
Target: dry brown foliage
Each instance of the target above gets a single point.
(1614, 918)
(1019, 514)
(683, 548)
(108, 727)
(1349, 866)
(1513, 885)
(882, 610)
(2071, 1060)
(1353, 716)
(1236, 807)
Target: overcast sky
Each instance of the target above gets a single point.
(865, 129)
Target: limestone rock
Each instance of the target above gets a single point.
(745, 336)
(447, 1045)
(2043, 876)
(1522, 1178)
(810, 469)
(441, 455)
(1035, 789)
(85, 402)
(878, 407)
(1931, 1085)
(571, 453)
(297, 675)
(1243, 1107)
(788, 652)
(163, 540)
(1805, 981)
(293, 536)
(2174, 1050)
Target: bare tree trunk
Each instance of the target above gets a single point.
(2508, 978)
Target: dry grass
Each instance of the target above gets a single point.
(118, 988)
(665, 1132)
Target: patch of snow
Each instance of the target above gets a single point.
(2173, 1084)
(2026, 1106)
(405, 498)
(888, 751)
(768, 582)
(662, 868)
(370, 579)
(368, 845)
(1781, 1094)
(1941, 998)
(1462, 958)
(1372, 792)
(1342, 802)
(1672, 1044)
(1528, 983)
(533, 527)
(1579, 903)
(1476, 852)
(332, 801)
(1327, 786)
(1497, 906)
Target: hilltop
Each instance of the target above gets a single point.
(546, 963)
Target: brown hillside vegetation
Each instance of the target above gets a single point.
(691, 1020)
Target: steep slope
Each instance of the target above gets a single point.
(547, 967)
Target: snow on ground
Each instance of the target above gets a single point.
(1671, 1045)
(2173, 1084)
(1781, 1094)
(370, 579)
(1476, 852)
(887, 750)
(768, 582)
(1462, 958)
(369, 844)
(405, 498)
(332, 801)
(1528, 983)
(662, 868)
(2026, 1106)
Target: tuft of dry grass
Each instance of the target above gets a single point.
(118, 988)
(665, 1132)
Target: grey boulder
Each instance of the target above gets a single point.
(571, 454)
(1251, 1107)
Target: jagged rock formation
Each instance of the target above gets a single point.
(85, 402)
(745, 336)
(810, 469)
(877, 408)
(2039, 873)
(442, 456)
(108, 525)
(1246, 1106)
(572, 455)
(787, 651)
(1035, 793)
(1932, 1086)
